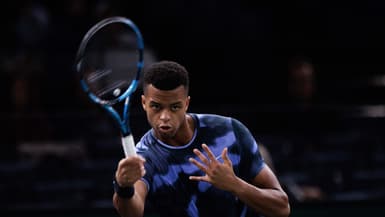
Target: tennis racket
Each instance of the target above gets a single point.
(109, 61)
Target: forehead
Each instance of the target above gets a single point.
(165, 96)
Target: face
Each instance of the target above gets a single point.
(166, 111)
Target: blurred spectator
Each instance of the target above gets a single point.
(302, 94)
(23, 66)
(299, 134)
(28, 63)
(301, 81)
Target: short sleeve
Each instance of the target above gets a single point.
(251, 162)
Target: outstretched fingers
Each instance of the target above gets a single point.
(201, 156)
(201, 167)
(226, 158)
(209, 153)
(204, 164)
(198, 164)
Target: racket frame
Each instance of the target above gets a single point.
(123, 121)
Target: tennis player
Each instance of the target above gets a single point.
(188, 164)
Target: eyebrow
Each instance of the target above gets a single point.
(174, 103)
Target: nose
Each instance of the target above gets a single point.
(165, 115)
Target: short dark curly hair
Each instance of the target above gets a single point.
(166, 75)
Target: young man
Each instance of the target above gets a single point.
(193, 164)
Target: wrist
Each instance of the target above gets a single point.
(123, 192)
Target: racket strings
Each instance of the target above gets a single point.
(114, 89)
(98, 74)
(111, 56)
(109, 71)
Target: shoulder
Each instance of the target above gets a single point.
(211, 119)
(145, 142)
(220, 122)
(239, 126)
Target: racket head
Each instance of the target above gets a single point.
(109, 60)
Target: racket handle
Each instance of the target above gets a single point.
(128, 145)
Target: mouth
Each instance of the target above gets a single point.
(164, 128)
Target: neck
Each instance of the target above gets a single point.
(185, 132)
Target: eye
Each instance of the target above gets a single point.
(155, 106)
(175, 107)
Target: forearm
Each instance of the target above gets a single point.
(132, 207)
(269, 202)
(129, 198)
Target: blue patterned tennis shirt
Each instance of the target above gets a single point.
(172, 194)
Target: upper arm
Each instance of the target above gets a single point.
(266, 179)
(251, 162)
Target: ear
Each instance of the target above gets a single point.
(187, 103)
(144, 102)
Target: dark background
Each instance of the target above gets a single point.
(59, 151)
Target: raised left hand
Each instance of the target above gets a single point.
(219, 174)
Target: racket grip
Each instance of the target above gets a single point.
(128, 145)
